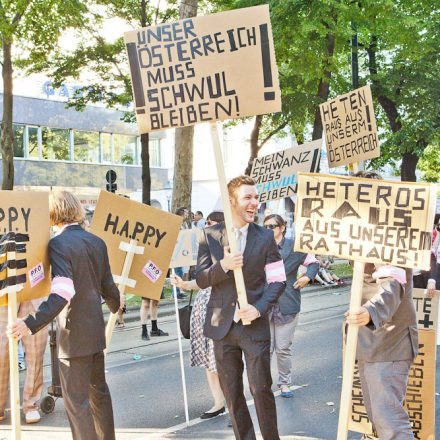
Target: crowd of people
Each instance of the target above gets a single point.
(274, 275)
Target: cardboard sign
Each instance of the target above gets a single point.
(420, 393)
(209, 68)
(186, 250)
(117, 219)
(27, 212)
(367, 220)
(276, 175)
(350, 128)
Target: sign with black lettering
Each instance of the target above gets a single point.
(209, 68)
(186, 250)
(26, 213)
(350, 128)
(117, 219)
(276, 175)
(420, 392)
(374, 221)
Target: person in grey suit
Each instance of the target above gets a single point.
(80, 277)
(284, 315)
(387, 345)
(264, 278)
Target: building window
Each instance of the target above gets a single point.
(33, 142)
(106, 145)
(85, 146)
(55, 143)
(18, 143)
(154, 149)
(124, 149)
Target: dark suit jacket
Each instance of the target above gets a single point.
(392, 334)
(81, 257)
(290, 300)
(260, 250)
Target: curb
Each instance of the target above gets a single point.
(166, 307)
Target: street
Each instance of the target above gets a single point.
(144, 380)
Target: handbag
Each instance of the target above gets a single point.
(185, 318)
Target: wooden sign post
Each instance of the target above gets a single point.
(238, 273)
(122, 281)
(350, 352)
(11, 292)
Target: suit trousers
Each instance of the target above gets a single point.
(34, 347)
(229, 358)
(87, 397)
(384, 389)
(281, 340)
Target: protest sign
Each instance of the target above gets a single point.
(350, 128)
(276, 174)
(185, 252)
(119, 219)
(366, 220)
(208, 68)
(26, 212)
(420, 393)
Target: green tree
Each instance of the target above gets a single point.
(401, 45)
(34, 26)
(429, 163)
(109, 64)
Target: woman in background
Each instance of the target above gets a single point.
(202, 348)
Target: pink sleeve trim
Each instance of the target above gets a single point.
(275, 272)
(310, 259)
(63, 287)
(396, 273)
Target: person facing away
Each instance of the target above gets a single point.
(387, 344)
(80, 276)
(265, 280)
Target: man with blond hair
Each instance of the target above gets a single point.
(265, 280)
(80, 277)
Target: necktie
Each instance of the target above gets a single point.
(239, 239)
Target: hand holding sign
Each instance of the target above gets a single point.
(231, 261)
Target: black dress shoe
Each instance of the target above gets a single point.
(210, 415)
(158, 332)
(145, 336)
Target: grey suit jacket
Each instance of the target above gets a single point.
(260, 250)
(392, 334)
(81, 257)
(290, 300)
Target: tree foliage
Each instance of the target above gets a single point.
(33, 27)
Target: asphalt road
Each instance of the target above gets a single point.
(146, 388)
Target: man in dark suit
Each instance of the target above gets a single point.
(264, 278)
(80, 277)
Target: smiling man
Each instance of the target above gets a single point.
(265, 280)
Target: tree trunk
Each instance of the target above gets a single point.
(146, 174)
(408, 167)
(183, 161)
(323, 86)
(183, 156)
(7, 141)
(255, 148)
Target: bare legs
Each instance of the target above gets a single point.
(216, 391)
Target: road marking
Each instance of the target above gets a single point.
(194, 422)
